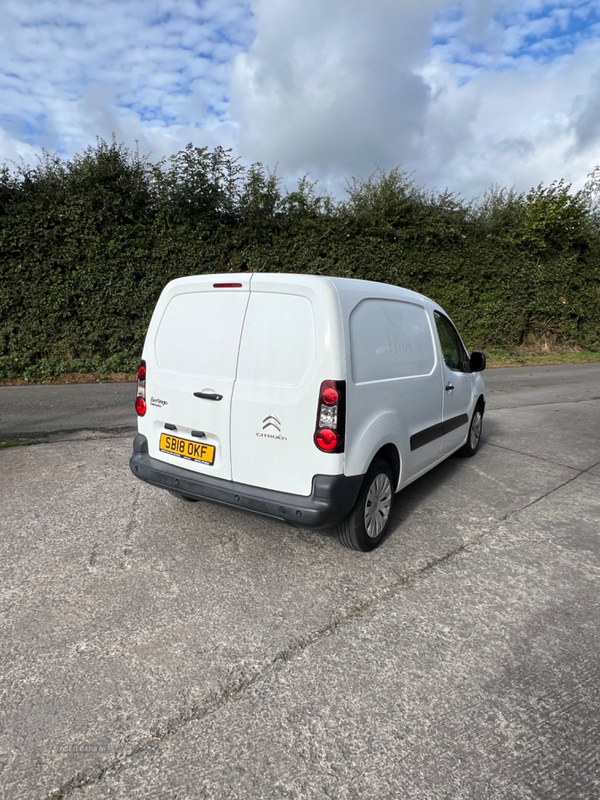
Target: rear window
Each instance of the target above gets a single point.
(390, 339)
(278, 345)
(199, 333)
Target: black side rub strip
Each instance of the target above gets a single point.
(436, 431)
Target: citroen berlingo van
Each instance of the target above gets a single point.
(306, 398)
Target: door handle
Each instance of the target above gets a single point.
(208, 395)
(449, 387)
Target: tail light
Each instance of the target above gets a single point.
(331, 417)
(140, 400)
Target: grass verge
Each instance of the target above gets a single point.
(524, 357)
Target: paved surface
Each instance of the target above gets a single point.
(43, 412)
(198, 651)
(525, 386)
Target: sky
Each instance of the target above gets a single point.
(461, 95)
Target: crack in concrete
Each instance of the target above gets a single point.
(530, 455)
(94, 555)
(549, 403)
(129, 530)
(237, 687)
(247, 678)
(542, 497)
(589, 469)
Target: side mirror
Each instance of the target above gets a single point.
(477, 361)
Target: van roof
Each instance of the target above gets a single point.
(346, 286)
(355, 285)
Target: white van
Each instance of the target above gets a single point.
(306, 398)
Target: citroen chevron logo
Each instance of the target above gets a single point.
(272, 421)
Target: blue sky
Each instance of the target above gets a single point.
(461, 94)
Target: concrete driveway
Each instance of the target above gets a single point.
(157, 649)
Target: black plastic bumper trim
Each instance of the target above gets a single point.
(331, 500)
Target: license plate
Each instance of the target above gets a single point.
(193, 451)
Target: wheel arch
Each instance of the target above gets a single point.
(389, 452)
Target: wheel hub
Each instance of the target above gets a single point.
(475, 430)
(378, 505)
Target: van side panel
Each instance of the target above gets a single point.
(291, 342)
(394, 378)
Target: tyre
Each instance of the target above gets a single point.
(180, 496)
(472, 444)
(364, 528)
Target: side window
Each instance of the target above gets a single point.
(390, 339)
(452, 350)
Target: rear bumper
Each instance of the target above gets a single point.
(331, 500)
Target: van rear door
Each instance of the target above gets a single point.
(292, 341)
(191, 353)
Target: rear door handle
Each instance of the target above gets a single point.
(449, 387)
(208, 395)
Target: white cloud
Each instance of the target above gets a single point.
(586, 124)
(156, 71)
(13, 150)
(462, 94)
(339, 93)
(514, 127)
(331, 88)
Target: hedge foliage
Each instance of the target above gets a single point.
(86, 246)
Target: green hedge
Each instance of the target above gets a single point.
(87, 245)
